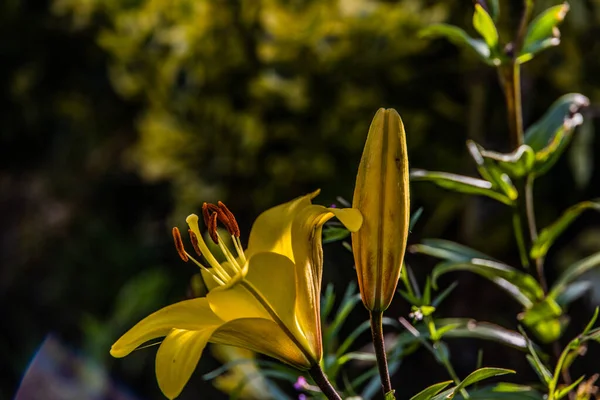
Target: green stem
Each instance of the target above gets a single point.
(321, 380)
(377, 332)
(518, 227)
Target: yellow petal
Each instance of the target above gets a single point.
(263, 336)
(192, 314)
(235, 301)
(177, 358)
(350, 217)
(308, 255)
(382, 196)
(272, 229)
(273, 278)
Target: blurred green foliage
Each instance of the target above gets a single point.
(119, 117)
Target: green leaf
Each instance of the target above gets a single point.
(489, 170)
(565, 391)
(590, 324)
(574, 272)
(521, 286)
(548, 235)
(550, 136)
(540, 134)
(447, 250)
(414, 218)
(469, 328)
(481, 374)
(442, 296)
(536, 363)
(390, 395)
(459, 183)
(544, 320)
(483, 23)
(543, 32)
(431, 391)
(505, 391)
(334, 234)
(516, 164)
(460, 38)
(494, 9)
(572, 292)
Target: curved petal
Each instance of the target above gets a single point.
(350, 217)
(273, 277)
(177, 358)
(272, 229)
(234, 302)
(192, 314)
(263, 336)
(308, 255)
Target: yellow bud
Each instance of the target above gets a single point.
(382, 196)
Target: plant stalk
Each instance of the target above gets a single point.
(321, 380)
(377, 332)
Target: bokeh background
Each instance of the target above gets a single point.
(120, 117)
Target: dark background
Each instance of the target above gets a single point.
(118, 118)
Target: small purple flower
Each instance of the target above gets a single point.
(302, 397)
(301, 384)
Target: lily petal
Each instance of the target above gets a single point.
(272, 229)
(192, 314)
(308, 254)
(350, 217)
(177, 358)
(263, 336)
(235, 301)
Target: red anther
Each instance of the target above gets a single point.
(232, 225)
(212, 228)
(179, 244)
(194, 241)
(207, 210)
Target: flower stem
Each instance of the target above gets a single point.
(321, 380)
(377, 332)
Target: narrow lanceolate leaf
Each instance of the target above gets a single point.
(382, 196)
(515, 164)
(521, 286)
(459, 183)
(543, 32)
(431, 391)
(484, 24)
(573, 273)
(550, 136)
(489, 170)
(481, 374)
(460, 38)
(447, 250)
(548, 235)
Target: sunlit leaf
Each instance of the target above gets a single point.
(521, 286)
(543, 32)
(459, 183)
(591, 324)
(483, 23)
(481, 374)
(431, 391)
(534, 360)
(469, 328)
(548, 235)
(488, 169)
(573, 273)
(544, 320)
(447, 250)
(390, 395)
(504, 391)
(550, 136)
(460, 38)
(516, 164)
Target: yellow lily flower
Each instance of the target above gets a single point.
(382, 196)
(266, 298)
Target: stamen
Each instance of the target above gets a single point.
(233, 227)
(194, 241)
(179, 244)
(192, 221)
(212, 228)
(227, 253)
(207, 210)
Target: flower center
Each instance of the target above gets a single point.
(213, 215)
